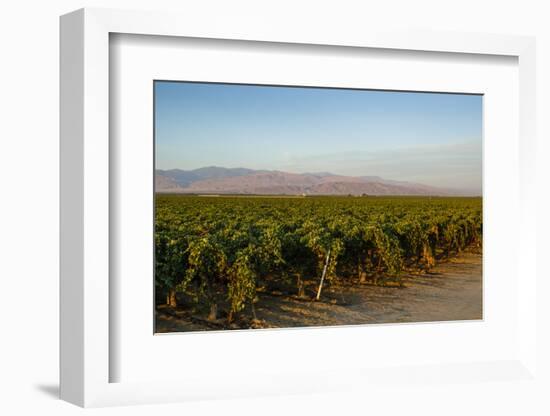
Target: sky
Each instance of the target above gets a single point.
(429, 138)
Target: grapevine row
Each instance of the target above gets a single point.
(223, 250)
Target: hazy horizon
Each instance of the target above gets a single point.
(429, 138)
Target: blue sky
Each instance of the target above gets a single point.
(435, 139)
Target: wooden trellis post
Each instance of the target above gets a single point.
(323, 276)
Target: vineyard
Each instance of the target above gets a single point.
(215, 255)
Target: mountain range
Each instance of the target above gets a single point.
(219, 180)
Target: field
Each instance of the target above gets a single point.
(254, 262)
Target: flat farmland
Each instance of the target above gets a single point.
(235, 262)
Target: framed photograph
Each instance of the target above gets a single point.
(268, 211)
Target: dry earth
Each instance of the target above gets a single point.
(452, 291)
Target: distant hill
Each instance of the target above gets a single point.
(219, 180)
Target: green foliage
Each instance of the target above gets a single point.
(242, 282)
(228, 246)
(206, 264)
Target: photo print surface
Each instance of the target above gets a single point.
(280, 207)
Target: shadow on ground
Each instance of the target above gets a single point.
(51, 390)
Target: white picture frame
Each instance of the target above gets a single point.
(85, 352)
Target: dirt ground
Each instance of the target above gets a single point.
(451, 291)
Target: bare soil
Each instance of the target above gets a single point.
(450, 291)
